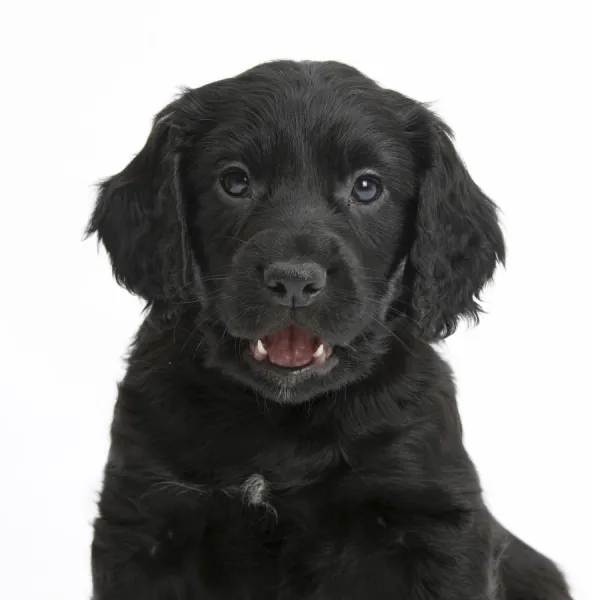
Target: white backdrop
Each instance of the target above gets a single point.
(81, 83)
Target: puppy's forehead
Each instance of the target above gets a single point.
(297, 122)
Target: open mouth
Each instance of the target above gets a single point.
(292, 348)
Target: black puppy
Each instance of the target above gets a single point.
(285, 430)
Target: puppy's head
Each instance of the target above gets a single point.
(306, 215)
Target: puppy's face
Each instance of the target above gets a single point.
(300, 206)
(291, 204)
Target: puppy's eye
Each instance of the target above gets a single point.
(235, 183)
(366, 189)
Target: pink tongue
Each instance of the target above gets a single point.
(290, 347)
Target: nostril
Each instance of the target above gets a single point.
(277, 287)
(312, 288)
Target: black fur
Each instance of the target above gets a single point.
(229, 480)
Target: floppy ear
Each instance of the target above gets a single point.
(458, 241)
(140, 218)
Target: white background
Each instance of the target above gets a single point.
(81, 81)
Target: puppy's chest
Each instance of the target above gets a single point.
(296, 486)
(290, 479)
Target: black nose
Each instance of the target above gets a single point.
(293, 283)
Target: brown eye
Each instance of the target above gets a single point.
(235, 183)
(366, 189)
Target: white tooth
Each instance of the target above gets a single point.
(261, 348)
(319, 351)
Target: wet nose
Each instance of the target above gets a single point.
(294, 283)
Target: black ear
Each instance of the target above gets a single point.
(458, 240)
(140, 218)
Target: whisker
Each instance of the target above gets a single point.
(392, 333)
